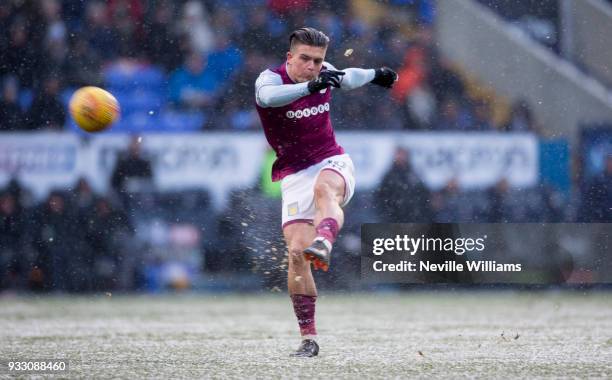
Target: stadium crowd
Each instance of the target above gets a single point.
(205, 56)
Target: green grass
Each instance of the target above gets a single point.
(433, 334)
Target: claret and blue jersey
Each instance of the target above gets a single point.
(300, 132)
(297, 123)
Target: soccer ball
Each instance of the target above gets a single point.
(93, 109)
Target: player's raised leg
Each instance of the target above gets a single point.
(301, 285)
(329, 192)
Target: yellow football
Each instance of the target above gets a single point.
(94, 109)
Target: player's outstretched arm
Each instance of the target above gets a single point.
(356, 77)
(270, 92)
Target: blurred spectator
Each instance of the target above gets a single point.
(395, 49)
(445, 203)
(483, 117)
(357, 106)
(57, 60)
(163, 44)
(47, 110)
(6, 14)
(229, 246)
(329, 21)
(56, 49)
(421, 107)
(555, 203)
(12, 117)
(453, 116)
(257, 35)
(444, 82)
(102, 38)
(412, 90)
(236, 116)
(12, 234)
(108, 228)
(386, 115)
(597, 196)
(73, 12)
(83, 197)
(238, 111)
(22, 55)
(224, 60)
(58, 238)
(242, 87)
(15, 189)
(127, 18)
(194, 85)
(195, 24)
(521, 118)
(516, 205)
(83, 67)
(412, 73)
(423, 9)
(56, 28)
(132, 171)
(402, 197)
(497, 209)
(293, 12)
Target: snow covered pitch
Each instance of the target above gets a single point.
(414, 334)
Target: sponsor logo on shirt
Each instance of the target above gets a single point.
(307, 112)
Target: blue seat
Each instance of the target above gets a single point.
(140, 122)
(125, 77)
(139, 100)
(173, 121)
(26, 96)
(66, 94)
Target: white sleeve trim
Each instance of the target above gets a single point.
(271, 92)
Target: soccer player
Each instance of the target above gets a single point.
(293, 102)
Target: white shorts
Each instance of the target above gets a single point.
(298, 188)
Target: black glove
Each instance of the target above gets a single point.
(384, 77)
(326, 78)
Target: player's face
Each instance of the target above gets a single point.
(304, 62)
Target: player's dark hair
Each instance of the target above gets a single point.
(308, 36)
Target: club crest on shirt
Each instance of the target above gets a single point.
(292, 209)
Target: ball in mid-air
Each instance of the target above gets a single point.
(94, 109)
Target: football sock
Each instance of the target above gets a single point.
(328, 229)
(304, 308)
